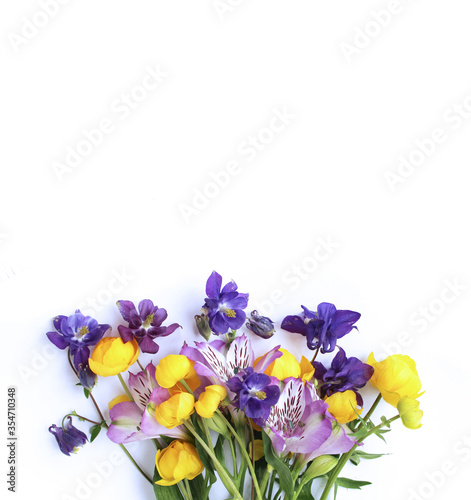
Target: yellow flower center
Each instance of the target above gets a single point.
(148, 321)
(230, 313)
(261, 395)
(82, 332)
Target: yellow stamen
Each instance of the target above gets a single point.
(230, 313)
(261, 395)
(83, 331)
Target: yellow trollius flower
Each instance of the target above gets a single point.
(174, 368)
(178, 461)
(177, 408)
(118, 399)
(342, 406)
(283, 367)
(209, 400)
(395, 377)
(410, 413)
(112, 356)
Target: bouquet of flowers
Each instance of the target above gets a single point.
(267, 426)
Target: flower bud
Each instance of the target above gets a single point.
(320, 466)
(410, 413)
(260, 325)
(202, 323)
(178, 461)
(112, 356)
(87, 378)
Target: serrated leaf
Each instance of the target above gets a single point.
(353, 484)
(282, 470)
(165, 492)
(94, 431)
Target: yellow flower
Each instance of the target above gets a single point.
(258, 447)
(178, 461)
(177, 408)
(112, 356)
(118, 399)
(410, 413)
(342, 406)
(283, 367)
(395, 377)
(174, 368)
(209, 400)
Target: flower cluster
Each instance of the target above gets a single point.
(289, 420)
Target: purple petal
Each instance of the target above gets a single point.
(236, 322)
(213, 285)
(218, 323)
(81, 356)
(294, 324)
(57, 322)
(236, 303)
(126, 333)
(148, 345)
(342, 322)
(146, 307)
(159, 316)
(127, 309)
(229, 287)
(267, 359)
(57, 339)
(325, 311)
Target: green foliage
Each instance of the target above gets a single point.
(282, 470)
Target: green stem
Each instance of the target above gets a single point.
(346, 457)
(79, 416)
(140, 366)
(246, 456)
(225, 478)
(189, 496)
(272, 484)
(265, 478)
(370, 411)
(125, 387)
(136, 464)
(234, 457)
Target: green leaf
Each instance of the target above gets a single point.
(94, 431)
(165, 492)
(282, 470)
(305, 493)
(197, 487)
(353, 484)
(369, 456)
(355, 460)
(219, 449)
(86, 392)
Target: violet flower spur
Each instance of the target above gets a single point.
(255, 393)
(77, 332)
(343, 375)
(323, 328)
(144, 325)
(224, 307)
(68, 437)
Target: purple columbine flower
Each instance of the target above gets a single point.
(87, 378)
(255, 394)
(224, 307)
(323, 328)
(77, 332)
(260, 325)
(343, 375)
(68, 437)
(144, 325)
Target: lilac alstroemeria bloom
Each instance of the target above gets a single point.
(68, 437)
(224, 307)
(144, 325)
(255, 394)
(343, 375)
(323, 328)
(77, 332)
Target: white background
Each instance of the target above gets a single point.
(394, 249)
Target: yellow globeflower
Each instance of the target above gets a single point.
(410, 413)
(118, 399)
(177, 408)
(307, 370)
(178, 461)
(258, 447)
(112, 356)
(283, 367)
(209, 400)
(342, 406)
(395, 377)
(174, 368)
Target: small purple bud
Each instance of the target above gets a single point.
(260, 325)
(87, 378)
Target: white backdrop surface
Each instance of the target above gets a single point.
(311, 151)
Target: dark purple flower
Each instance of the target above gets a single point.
(77, 332)
(323, 328)
(145, 324)
(88, 379)
(343, 375)
(224, 307)
(260, 325)
(255, 395)
(68, 437)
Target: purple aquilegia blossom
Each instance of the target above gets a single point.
(68, 437)
(145, 325)
(77, 332)
(224, 307)
(343, 375)
(323, 328)
(255, 393)
(260, 325)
